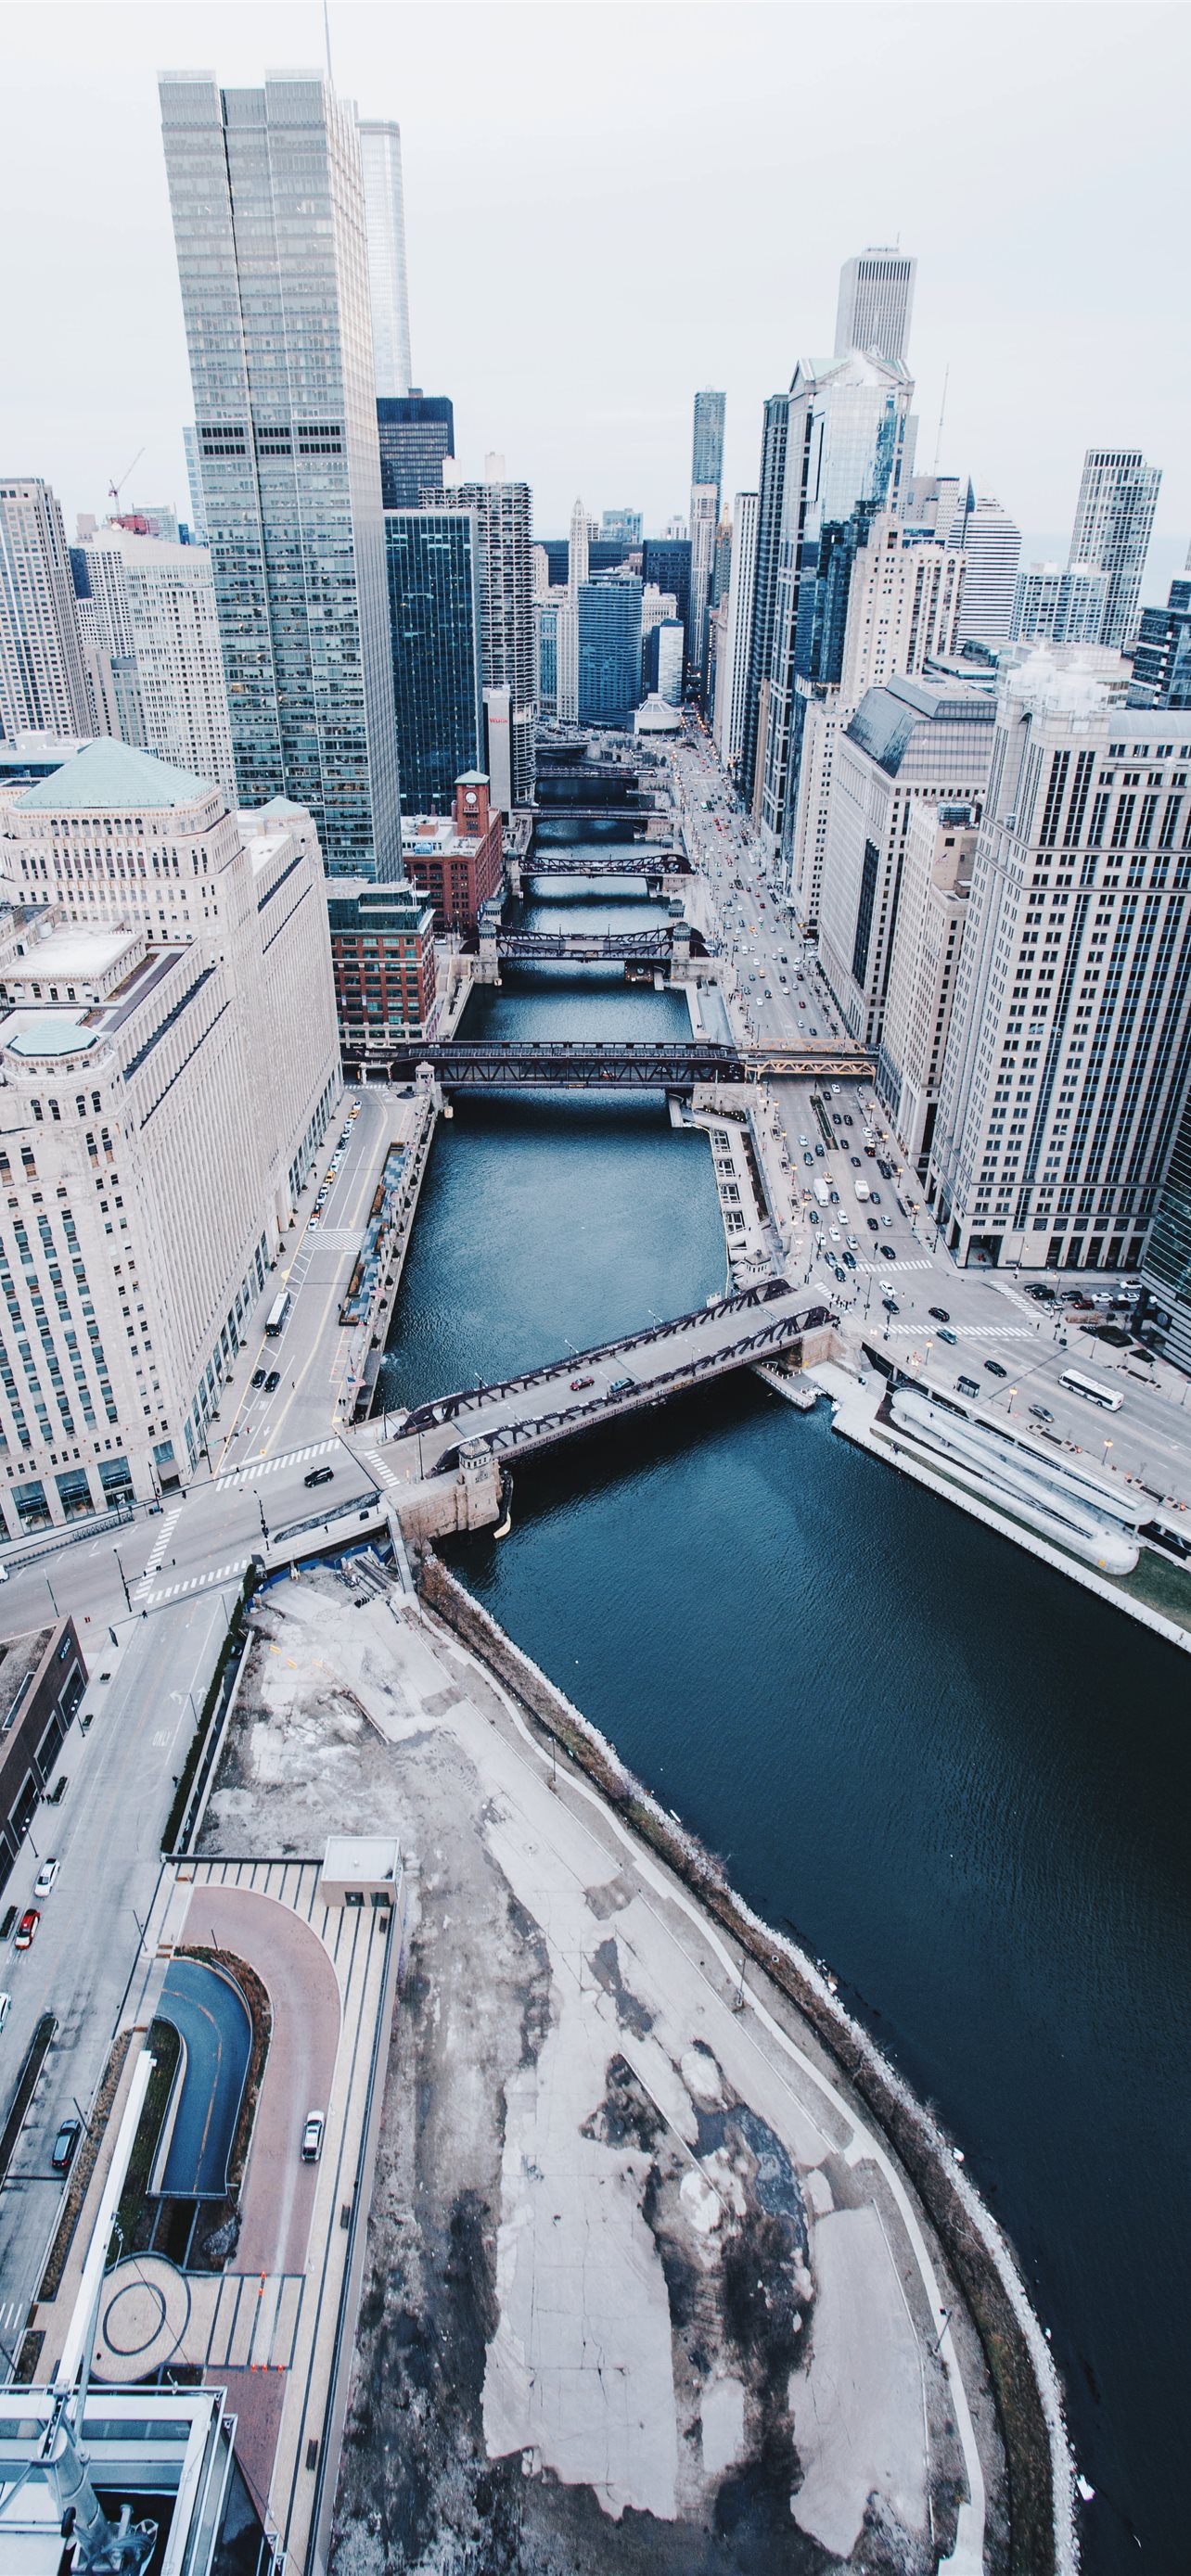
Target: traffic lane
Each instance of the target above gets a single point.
(214, 2025)
(107, 1835)
(277, 2201)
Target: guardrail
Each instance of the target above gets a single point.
(92, 1527)
(362, 1504)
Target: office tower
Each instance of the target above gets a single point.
(545, 627)
(707, 444)
(268, 208)
(1051, 606)
(542, 578)
(170, 1062)
(771, 479)
(883, 601)
(909, 741)
(721, 562)
(991, 545)
(498, 747)
(1114, 514)
(198, 507)
(388, 288)
(655, 605)
(876, 293)
(504, 514)
(43, 685)
(845, 444)
(609, 651)
(622, 527)
(937, 856)
(732, 676)
(105, 641)
(434, 622)
(383, 960)
(577, 551)
(666, 562)
(676, 531)
(1066, 1069)
(416, 432)
(1162, 661)
(930, 502)
(150, 610)
(664, 659)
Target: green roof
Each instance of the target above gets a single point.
(472, 778)
(282, 805)
(111, 774)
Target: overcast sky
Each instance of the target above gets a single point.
(610, 205)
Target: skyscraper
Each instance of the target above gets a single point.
(1051, 606)
(666, 561)
(434, 618)
(388, 287)
(1070, 1048)
(43, 685)
(769, 533)
(876, 294)
(707, 444)
(707, 464)
(991, 547)
(152, 606)
(732, 675)
(1114, 514)
(1162, 661)
(268, 208)
(621, 527)
(417, 434)
(198, 507)
(609, 650)
(504, 521)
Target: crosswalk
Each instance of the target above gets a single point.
(208, 1581)
(254, 1468)
(337, 1238)
(881, 1269)
(160, 1546)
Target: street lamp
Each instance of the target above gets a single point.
(123, 1579)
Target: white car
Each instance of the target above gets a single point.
(833, 1231)
(45, 1877)
(886, 1220)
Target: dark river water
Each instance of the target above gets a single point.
(961, 1780)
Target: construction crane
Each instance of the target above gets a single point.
(115, 489)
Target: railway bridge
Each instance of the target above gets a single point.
(618, 1065)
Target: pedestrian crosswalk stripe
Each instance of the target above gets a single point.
(253, 1469)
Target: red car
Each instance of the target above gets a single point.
(26, 1929)
(577, 1382)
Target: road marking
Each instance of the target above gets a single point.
(250, 1473)
(154, 1565)
(200, 1582)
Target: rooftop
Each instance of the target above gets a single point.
(109, 773)
(40, 1033)
(19, 1659)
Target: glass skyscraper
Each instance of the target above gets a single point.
(434, 620)
(666, 561)
(416, 432)
(707, 445)
(1162, 661)
(609, 651)
(268, 206)
(384, 207)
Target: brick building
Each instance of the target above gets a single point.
(42, 1680)
(382, 952)
(457, 859)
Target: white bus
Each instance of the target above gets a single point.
(1091, 1387)
(278, 1312)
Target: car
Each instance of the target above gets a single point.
(836, 1117)
(947, 1335)
(886, 1220)
(804, 1140)
(836, 1089)
(45, 1877)
(62, 2151)
(318, 1476)
(818, 1149)
(809, 1158)
(884, 1168)
(834, 1196)
(887, 1252)
(272, 1382)
(800, 977)
(872, 1225)
(27, 1929)
(1042, 1413)
(578, 1382)
(995, 1368)
(312, 2138)
(940, 1314)
(875, 1196)
(850, 1258)
(870, 1150)
(834, 1232)
(889, 1301)
(257, 1378)
(849, 1121)
(622, 1386)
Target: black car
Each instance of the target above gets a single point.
(889, 1302)
(887, 1252)
(272, 1382)
(940, 1314)
(319, 1476)
(875, 1196)
(849, 1121)
(62, 2152)
(995, 1369)
(257, 1378)
(883, 1167)
(855, 1158)
(873, 1227)
(809, 1158)
(850, 1258)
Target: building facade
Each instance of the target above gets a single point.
(388, 285)
(1070, 1051)
(707, 440)
(771, 491)
(621, 527)
(42, 1680)
(876, 297)
(43, 684)
(732, 675)
(170, 1062)
(1053, 606)
(1162, 660)
(383, 960)
(1166, 1260)
(194, 479)
(664, 660)
(148, 620)
(267, 195)
(434, 622)
(1114, 515)
(666, 565)
(457, 861)
(416, 432)
(991, 546)
(937, 856)
(504, 520)
(609, 632)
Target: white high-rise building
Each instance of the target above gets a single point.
(876, 295)
(1053, 606)
(1066, 1066)
(705, 511)
(170, 1061)
(732, 664)
(903, 596)
(992, 547)
(578, 549)
(504, 514)
(151, 612)
(1118, 495)
(671, 653)
(388, 285)
(910, 742)
(43, 682)
(656, 605)
(936, 876)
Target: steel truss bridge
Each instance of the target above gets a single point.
(533, 1411)
(621, 859)
(645, 947)
(610, 1064)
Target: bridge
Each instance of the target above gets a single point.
(591, 1388)
(654, 947)
(620, 859)
(611, 1064)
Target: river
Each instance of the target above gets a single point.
(962, 1781)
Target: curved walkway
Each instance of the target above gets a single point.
(214, 2025)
